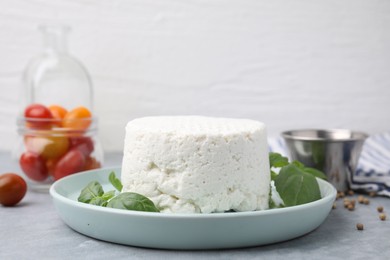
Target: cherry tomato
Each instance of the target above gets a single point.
(91, 163)
(82, 143)
(58, 114)
(37, 116)
(12, 189)
(78, 118)
(51, 165)
(72, 162)
(49, 147)
(33, 166)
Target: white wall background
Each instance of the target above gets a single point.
(290, 64)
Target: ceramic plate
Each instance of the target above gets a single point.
(184, 231)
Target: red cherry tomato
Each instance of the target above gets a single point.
(72, 162)
(12, 189)
(37, 116)
(91, 163)
(51, 165)
(82, 143)
(33, 166)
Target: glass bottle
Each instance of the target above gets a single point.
(62, 141)
(55, 76)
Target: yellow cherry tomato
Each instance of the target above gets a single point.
(77, 118)
(48, 147)
(58, 113)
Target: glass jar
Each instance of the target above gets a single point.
(45, 155)
(57, 127)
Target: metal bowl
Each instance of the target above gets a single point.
(334, 151)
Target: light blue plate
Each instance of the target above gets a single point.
(184, 231)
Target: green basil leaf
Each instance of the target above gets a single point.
(92, 190)
(277, 160)
(115, 181)
(298, 164)
(108, 195)
(296, 187)
(98, 201)
(132, 201)
(274, 175)
(315, 172)
(271, 204)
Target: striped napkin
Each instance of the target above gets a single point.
(373, 170)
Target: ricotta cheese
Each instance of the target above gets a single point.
(194, 164)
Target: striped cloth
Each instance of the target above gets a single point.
(373, 170)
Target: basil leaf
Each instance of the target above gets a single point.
(92, 190)
(277, 160)
(98, 201)
(296, 187)
(315, 172)
(298, 164)
(274, 175)
(312, 171)
(132, 201)
(115, 181)
(271, 204)
(108, 195)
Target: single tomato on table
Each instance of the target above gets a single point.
(58, 113)
(12, 189)
(33, 166)
(77, 118)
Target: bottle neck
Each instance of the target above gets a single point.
(55, 38)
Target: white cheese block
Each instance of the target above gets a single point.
(194, 164)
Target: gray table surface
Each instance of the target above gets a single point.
(34, 230)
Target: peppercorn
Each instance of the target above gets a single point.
(346, 203)
(340, 194)
(366, 201)
(380, 209)
(372, 193)
(382, 216)
(351, 207)
(334, 205)
(359, 226)
(361, 199)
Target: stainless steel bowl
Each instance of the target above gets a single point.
(335, 152)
